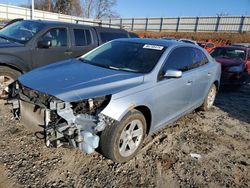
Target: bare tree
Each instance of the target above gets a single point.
(103, 9)
(46, 5)
(87, 7)
(99, 8)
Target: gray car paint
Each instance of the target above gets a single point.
(166, 99)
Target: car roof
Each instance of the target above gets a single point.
(160, 42)
(47, 22)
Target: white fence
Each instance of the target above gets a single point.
(9, 12)
(187, 24)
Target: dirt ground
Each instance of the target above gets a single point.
(202, 149)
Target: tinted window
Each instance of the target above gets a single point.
(88, 37)
(57, 36)
(82, 37)
(107, 36)
(184, 59)
(126, 56)
(21, 31)
(198, 58)
(229, 53)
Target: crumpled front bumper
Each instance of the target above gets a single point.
(79, 131)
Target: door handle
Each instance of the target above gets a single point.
(209, 74)
(68, 52)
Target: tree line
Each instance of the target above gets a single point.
(98, 9)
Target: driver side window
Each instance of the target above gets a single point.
(184, 59)
(179, 59)
(57, 36)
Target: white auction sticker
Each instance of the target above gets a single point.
(153, 47)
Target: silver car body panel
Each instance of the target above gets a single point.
(74, 81)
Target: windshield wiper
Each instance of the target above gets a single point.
(108, 66)
(95, 64)
(123, 69)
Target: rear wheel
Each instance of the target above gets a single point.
(7, 76)
(120, 142)
(210, 98)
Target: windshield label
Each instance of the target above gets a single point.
(153, 47)
(239, 51)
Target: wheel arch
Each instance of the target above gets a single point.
(14, 62)
(217, 84)
(147, 115)
(11, 67)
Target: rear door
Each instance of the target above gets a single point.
(202, 75)
(82, 41)
(59, 50)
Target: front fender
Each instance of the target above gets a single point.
(119, 107)
(13, 61)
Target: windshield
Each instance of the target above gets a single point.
(126, 56)
(229, 53)
(21, 31)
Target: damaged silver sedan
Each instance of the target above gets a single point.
(115, 95)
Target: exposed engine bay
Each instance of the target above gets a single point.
(75, 123)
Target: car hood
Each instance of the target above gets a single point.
(6, 43)
(73, 80)
(226, 62)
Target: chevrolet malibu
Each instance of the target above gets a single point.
(115, 95)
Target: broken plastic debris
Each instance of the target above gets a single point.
(195, 155)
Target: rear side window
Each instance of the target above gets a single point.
(107, 36)
(82, 37)
(184, 59)
(198, 58)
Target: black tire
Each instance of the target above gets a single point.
(206, 104)
(10, 74)
(110, 137)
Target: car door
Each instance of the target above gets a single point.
(202, 75)
(172, 95)
(59, 49)
(83, 41)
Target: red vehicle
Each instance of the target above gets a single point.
(234, 60)
(208, 46)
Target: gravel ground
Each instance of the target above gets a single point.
(201, 149)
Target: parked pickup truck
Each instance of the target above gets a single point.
(28, 44)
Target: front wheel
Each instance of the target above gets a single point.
(210, 98)
(120, 142)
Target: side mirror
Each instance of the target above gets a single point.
(173, 74)
(44, 43)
